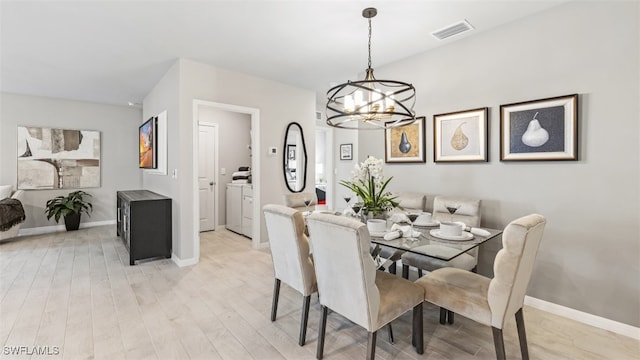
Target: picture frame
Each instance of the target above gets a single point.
(461, 136)
(406, 144)
(346, 151)
(291, 152)
(544, 129)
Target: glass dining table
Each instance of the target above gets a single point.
(436, 246)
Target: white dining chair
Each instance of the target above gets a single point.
(350, 285)
(407, 201)
(492, 301)
(296, 200)
(292, 263)
(469, 213)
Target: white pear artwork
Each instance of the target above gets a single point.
(536, 135)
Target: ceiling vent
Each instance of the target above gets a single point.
(453, 29)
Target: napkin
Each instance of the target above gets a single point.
(401, 231)
(473, 230)
(348, 212)
(398, 217)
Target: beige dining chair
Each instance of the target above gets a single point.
(292, 263)
(492, 301)
(469, 213)
(407, 201)
(350, 285)
(296, 200)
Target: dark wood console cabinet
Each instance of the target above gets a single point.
(144, 224)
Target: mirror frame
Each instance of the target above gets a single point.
(284, 157)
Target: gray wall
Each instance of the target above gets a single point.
(118, 126)
(278, 104)
(589, 259)
(234, 134)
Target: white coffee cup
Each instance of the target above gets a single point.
(424, 218)
(450, 228)
(377, 225)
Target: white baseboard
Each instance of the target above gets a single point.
(583, 317)
(185, 262)
(56, 228)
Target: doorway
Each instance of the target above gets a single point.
(254, 140)
(324, 166)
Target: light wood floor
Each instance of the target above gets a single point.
(72, 295)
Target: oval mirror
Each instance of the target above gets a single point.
(294, 157)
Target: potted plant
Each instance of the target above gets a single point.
(69, 207)
(369, 184)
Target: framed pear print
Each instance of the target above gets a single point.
(460, 136)
(405, 144)
(545, 129)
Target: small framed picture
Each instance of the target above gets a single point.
(460, 136)
(346, 151)
(545, 129)
(291, 152)
(405, 144)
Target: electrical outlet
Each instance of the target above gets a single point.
(273, 151)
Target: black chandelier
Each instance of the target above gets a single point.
(370, 103)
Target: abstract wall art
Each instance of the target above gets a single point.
(58, 158)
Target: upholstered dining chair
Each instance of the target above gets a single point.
(407, 201)
(350, 285)
(292, 263)
(469, 213)
(492, 301)
(296, 200)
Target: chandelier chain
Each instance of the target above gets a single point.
(369, 47)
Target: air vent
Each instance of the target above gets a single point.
(453, 29)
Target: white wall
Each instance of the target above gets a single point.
(589, 259)
(279, 104)
(233, 137)
(118, 126)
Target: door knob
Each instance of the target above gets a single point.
(211, 183)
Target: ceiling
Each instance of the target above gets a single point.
(116, 51)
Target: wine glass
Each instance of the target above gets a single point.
(356, 208)
(347, 199)
(412, 218)
(452, 208)
(307, 202)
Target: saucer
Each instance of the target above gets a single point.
(463, 237)
(432, 223)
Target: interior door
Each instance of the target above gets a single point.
(206, 176)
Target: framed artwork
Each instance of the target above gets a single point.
(545, 129)
(461, 136)
(58, 158)
(405, 144)
(291, 152)
(346, 151)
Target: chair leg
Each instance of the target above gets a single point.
(419, 273)
(390, 333)
(321, 332)
(418, 332)
(498, 342)
(274, 303)
(371, 345)
(450, 317)
(393, 268)
(304, 320)
(443, 315)
(522, 335)
(405, 271)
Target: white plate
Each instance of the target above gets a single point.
(377, 233)
(433, 223)
(463, 237)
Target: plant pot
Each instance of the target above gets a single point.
(374, 214)
(72, 222)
